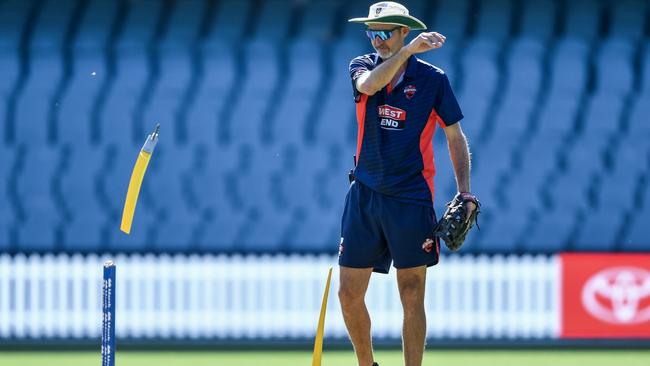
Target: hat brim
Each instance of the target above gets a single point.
(403, 20)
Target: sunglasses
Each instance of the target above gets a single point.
(382, 34)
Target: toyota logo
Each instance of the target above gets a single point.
(619, 295)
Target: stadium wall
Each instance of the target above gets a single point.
(238, 299)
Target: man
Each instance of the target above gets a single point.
(389, 212)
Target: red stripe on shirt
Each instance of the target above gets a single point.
(361, 119)
(426, 148)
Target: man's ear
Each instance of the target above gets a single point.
(405, 31)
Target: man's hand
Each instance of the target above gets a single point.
(425, 41)
(458, 219)
(470, 207)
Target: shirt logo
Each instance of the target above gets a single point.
(391, 118)
(409, 91)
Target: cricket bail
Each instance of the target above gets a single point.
(152, 140)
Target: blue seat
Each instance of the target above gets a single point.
(78, 184)
(556, 119)
(10, 65)
(274, 20)
(452, 16)
(615, 67)
(299, 182)
(165, 189)
(524, 68)
(510, 123)
(603, 117)
(247, 120)
(13, 15)
(184, 23)
(494, 20)
(305, 66)
(569, 68)
(637, 238)
(491, 238)
(208, 184)
(140, 24)
(34, 182)
(95, 26)
(538, 160)
(317, 20)
(78, 191)
(577, 197)
(7, 163)
(645, 66)
(599, 231)
(231, 20)
(84, 235)
(523, 185)
(168, 95)
(37, 233)
(292, 119)
(550, 232)
(74, 118)
(117, 119)
(585, 159)
(316, 231)
(5, 237)
(222, 232)
(537, 19)
(628, 19)
(206, 112)
(174, 235)
(50, 27)
(582, 17)
(267, 231)
(639, 125)
(617, 191)
(480, 67)
(252, 184)
(35, 102)
(476, 107)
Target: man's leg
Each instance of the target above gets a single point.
(411, 284)
(353, 284)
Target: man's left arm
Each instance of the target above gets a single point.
(460, 158)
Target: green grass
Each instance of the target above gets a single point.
(332, 358)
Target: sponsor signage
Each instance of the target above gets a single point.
(605, 295)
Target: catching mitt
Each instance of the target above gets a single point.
(454, 226)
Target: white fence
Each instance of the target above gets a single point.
(266, 297)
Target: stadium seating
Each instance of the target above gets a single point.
(258, 124)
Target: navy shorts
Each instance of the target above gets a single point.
(377, 229)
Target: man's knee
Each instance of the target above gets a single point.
(349, 296)
(412, 291)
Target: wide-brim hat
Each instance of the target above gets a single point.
(388, 12)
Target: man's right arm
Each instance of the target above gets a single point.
(371, 82)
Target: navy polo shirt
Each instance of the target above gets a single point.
(396, 127)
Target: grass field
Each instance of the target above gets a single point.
(332, 358)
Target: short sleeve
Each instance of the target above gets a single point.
(446, 104)
(358, 66)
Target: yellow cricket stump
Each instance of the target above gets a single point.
(318, 343)
(135, 183)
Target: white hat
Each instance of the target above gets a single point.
(388, 12)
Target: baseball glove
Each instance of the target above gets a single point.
(453, 226)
